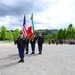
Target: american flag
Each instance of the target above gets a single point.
(24, 31)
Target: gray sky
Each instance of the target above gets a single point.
(47, 14)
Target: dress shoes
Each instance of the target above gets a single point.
(26, 53)
(32, 53)
(22, 60)
(39, 53)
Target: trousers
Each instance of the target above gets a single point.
(21, 53)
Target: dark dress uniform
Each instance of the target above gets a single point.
(33, 42)
(21, 42)
(27, 45)
(40, 40)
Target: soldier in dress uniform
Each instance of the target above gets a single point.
(27, 45)
(21, 42)
(33, 42)
(40, 41)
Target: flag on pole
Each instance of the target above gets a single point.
(31, 27)
(30, 32)
(32, 21)
(24, 31)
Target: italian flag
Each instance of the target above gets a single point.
(31, 27)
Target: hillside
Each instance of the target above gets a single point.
(46, 31)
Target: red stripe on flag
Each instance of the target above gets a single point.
(24, 31)
(30, 33)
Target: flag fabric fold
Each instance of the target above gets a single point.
(30, 32)
(24, 31)
(31, 27)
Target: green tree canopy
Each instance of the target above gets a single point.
(3, 32)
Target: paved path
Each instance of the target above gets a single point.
(55, 60)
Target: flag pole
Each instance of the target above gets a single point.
(32, 21)
(24, 14)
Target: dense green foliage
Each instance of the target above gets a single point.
(67, 33)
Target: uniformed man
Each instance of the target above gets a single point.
(33, 42)
(21, 42)
(27, 45)
(40, 41)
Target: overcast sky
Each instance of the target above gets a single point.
(47, 14)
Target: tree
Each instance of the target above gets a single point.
(16, 33)
(47, 37)
(59, 34)
(70, 32)
(64, 34)
(9, 35)
(3, 32)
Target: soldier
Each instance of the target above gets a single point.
(21, 42)
(33, 42)
(40, 40)
(27, 45)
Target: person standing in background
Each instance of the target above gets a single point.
(40, 41)
(33, 42)
(27, 45)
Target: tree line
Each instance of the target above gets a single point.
(8, 34)
(66, 33)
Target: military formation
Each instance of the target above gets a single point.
(61, 41)
(23, 45)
